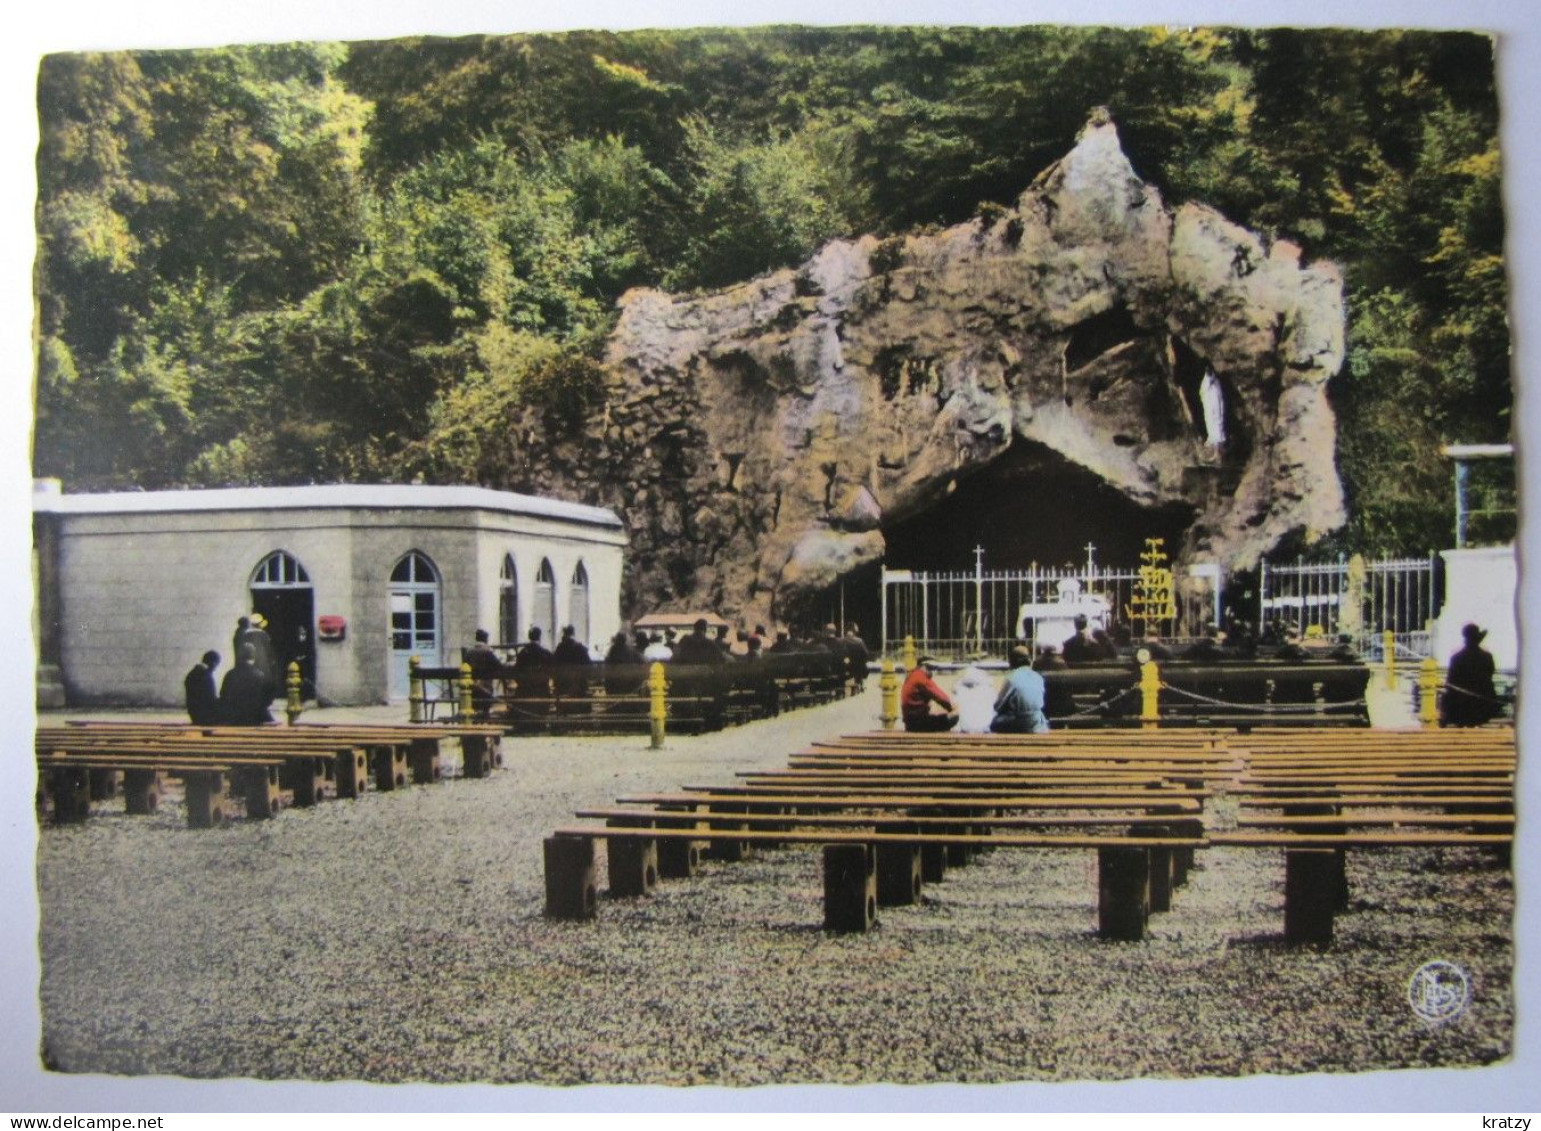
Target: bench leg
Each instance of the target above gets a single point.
(1161, 879)
(633, 867)
(1163, 875)
(390, 767)
(958, 854)
(1182, 864)
(425, 761)
(309, 779)
(71, 793)
(678, 859)
(571, 882)
(473, 755)
(1123, 893)
(899, 874)
(142, 791)
(850, 887)
(259, 786)
(933, 863)
(352, 773)
(105, 783)
(207, 798)
(1311, 884)
(729, 851)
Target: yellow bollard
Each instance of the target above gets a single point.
(888, 683)
(1150, 695)
(1389, 650)
(658, 707)
(296, 704)
(467, 707)
(909, 654)
(414, 690)
(1428, 693)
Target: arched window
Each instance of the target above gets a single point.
(544, 614)
(508, 602)
(415, 568)
(415, 629)
(279, 571)
(578, 604)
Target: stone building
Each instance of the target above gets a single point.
(353, 580)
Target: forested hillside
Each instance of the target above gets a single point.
(322, 262)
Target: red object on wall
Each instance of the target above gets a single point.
(331, 627)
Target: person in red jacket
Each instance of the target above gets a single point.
(918, 694)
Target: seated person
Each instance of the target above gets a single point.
(1019, 706)
(1292, 651)
(917, 696)
(485, 668)
(1210, 648)
(1081, 648)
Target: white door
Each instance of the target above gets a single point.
(414, 620)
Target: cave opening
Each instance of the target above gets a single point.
(1029, 506)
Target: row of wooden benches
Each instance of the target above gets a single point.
(1137, 799)
(266, 768)
(616, 699)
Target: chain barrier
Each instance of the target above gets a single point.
(1488, 699)
(1097, 708)
(1265, 708)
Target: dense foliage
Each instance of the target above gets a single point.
(314, 262)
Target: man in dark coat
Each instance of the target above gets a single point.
(697, 648)
(1080, 648)
(856, 656)
(485, 669)
(244, 696)
(202, 698)
(570, 666)
(532, 668)
(1470, 698)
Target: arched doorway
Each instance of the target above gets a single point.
(282, 593)
(578, 604)
(415, 629)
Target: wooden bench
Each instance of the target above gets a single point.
(208, 784)
(1315, 878)
(313, 768)
(861, 869)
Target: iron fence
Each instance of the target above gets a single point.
(1355, 597)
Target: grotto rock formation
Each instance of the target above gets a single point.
(758, 439)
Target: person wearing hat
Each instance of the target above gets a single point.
(485, 669)
(255, 633)
(243, 696)
(202, 698)
(1019, 706)
(1470, 698)
(918, 694)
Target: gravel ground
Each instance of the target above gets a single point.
(400, 938)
